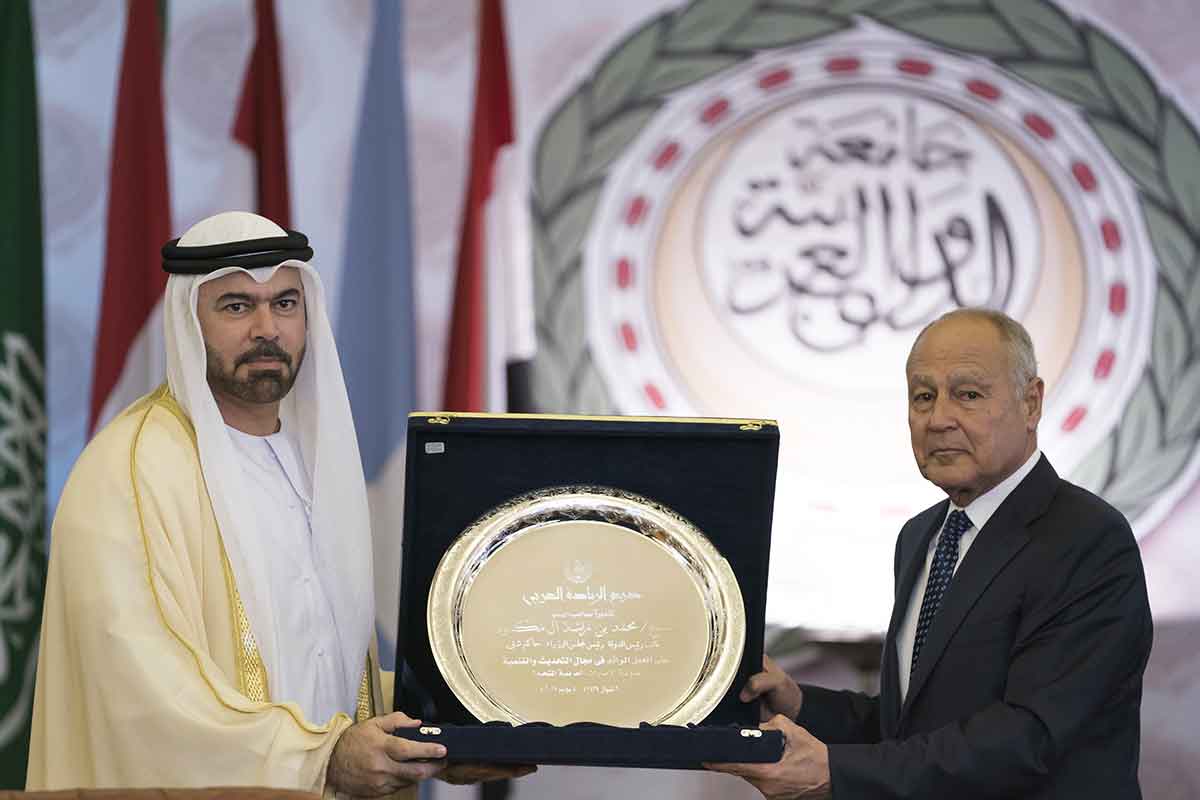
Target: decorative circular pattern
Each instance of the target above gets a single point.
(1067, 81)
(586, 604)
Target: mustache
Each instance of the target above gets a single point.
(263, 350)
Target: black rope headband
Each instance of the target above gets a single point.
(250, 253)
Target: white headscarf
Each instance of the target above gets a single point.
(317, 412)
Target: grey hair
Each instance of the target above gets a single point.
(1021, 358)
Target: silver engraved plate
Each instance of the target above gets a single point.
(586, 604)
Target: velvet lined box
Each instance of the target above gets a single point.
(712, 476)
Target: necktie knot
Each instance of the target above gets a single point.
(956, 524)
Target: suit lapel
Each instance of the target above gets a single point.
(1001, 538)
(913, 549)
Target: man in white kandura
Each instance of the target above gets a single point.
(209, 612)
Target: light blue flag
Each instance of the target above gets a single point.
(375, 329)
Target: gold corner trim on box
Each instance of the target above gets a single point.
(445, 417)
(656, 637)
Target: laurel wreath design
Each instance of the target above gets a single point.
(1145, 132)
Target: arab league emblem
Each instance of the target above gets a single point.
(750, 211)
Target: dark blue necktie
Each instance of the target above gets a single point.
(945, 558)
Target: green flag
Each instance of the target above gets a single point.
(22, 399)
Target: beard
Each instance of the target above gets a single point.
(266, 385)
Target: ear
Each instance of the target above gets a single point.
(1032, 402)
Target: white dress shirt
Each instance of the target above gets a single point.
(978, 511)
(306, 638)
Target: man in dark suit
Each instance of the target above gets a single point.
(1013, 661)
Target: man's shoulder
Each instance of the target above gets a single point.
(1079, 545)
(1089, 515)
(146, 451)
(1076, 498)
(1065, 523)
(153, 427)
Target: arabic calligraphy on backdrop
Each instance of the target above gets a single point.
(774, 237)
(835, 216)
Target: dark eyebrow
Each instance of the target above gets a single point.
(242, 297)
(234, 297)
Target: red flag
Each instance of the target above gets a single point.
(139, 208)
(261, 119)
(466, 368)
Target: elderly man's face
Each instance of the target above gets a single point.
(254, 334)
(971, 426)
